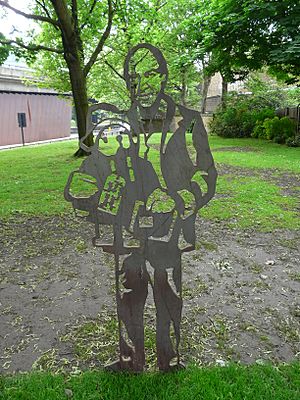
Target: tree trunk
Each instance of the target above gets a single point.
(78, 83)
(206, 83)
(73, 55)
(224, 92)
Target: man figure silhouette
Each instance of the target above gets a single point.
(157, 208)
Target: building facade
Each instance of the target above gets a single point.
(46, 114)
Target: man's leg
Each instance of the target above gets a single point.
(168, 310)
(131, 312)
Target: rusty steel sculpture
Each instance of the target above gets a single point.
(150, 211)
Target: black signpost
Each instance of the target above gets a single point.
(22, 125)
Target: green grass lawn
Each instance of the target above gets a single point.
(216, 383)
(265, 154)
(33, 179)
(32, 183)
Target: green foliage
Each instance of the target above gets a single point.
(244, 36)
(276, 129)
(240, 116)
(259, 131)
(293, 142)
(254, 115)
(4, 50)
(158, 24)
(270, 91)
(134, 21)
(52, 67)
(293, 98)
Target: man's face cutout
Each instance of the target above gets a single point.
(147, 77)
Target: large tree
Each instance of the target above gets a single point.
(155, 22)
(247, 35)
(74, 31)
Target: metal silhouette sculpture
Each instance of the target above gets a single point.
(151, 212)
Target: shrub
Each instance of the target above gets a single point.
(279, 129)
(259, 131)
(279, 139)
(288, 127)
(239, 117)
(272, 128)
(246, 116)
(238, 120)
(276, 129)
(293, 141)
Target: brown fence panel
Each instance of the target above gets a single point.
(291, 112)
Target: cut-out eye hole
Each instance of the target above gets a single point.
(83, 185)
(146, 222)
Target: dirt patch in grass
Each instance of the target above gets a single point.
(57, 308)
(242, 149)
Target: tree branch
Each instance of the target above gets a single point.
(114, 70)
(75, 13)
(41, 18)
(43, 6)
(159, 6)
(153, 20)
(104, 36)
(31, 47)
(89, 13)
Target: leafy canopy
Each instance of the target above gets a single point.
(247, 35)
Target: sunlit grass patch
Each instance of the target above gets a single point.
(33, 180)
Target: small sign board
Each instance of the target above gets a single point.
(22, 120)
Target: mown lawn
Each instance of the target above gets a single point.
(265, 154)
(248, 196)
(216, 383)
(33, 179)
